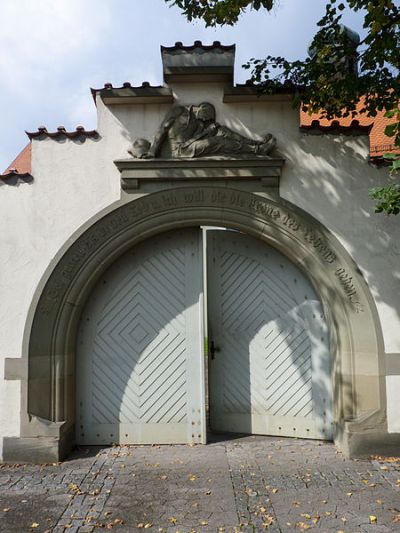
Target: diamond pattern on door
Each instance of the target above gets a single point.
(272, 374)
(135, 349)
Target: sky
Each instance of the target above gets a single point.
(53, 51)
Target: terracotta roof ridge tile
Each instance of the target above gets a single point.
(197, 44)
(336, 126)
(128, 85)
(21, 165)
(286, 84)
(13, 173)
(80, 131)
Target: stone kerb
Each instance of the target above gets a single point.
(355, 336)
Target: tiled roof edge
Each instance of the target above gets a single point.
(62, 132)
(197, 44)
(335, 126)
(287, 85)
(13, 173)
(127, 85)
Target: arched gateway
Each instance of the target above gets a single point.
(111, 346)
(52, 335)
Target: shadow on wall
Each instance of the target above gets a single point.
(335, 174)
(326, 175)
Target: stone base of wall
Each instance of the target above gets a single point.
(37, 450)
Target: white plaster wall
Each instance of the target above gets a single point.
(327, 176)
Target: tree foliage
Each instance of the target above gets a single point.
(219, 12)
(327, 82)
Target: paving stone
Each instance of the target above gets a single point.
(245, 485)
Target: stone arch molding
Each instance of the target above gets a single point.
(49, 396)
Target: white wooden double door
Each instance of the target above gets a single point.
(140, 356)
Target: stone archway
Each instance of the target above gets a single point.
(48, 395)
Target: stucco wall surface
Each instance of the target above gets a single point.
(326, 175)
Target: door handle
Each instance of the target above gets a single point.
(213, 349)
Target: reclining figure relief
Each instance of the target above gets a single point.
(191, 131)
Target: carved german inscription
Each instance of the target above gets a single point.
(320, 246)
(125, 218)
(347, 283)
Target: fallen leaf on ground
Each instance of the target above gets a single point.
(34, 525)
(372, 519)
(204, 523)
(303, 526)
(6, 509)
(73, 487)
(275, 491)
(268, 520)
(173, 520)
(386, 459)
(192, 477)
(396, 519)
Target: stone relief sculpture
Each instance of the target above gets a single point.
(191, 131)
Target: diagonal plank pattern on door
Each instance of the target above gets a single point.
(272, 374)
(134, 348)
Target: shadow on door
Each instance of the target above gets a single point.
(269, 362)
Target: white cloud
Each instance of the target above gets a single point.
(40, 37)
(53, 51)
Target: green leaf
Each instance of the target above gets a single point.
(390, 130)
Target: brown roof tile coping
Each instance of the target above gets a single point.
(379, 143)
(61, 132)
(336, 126)
(198, 44)
(127, 85)
(130, 94)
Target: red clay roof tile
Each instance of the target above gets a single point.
(22, 164)
(62, 132)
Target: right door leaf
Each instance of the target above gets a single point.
(272, 373)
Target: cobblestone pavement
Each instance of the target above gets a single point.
(241, 485)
